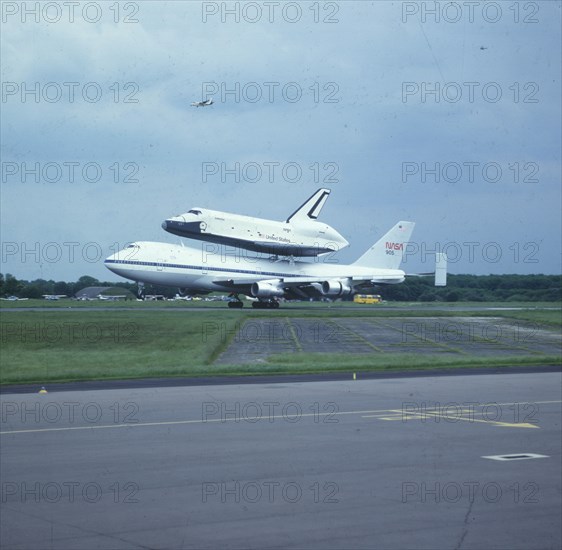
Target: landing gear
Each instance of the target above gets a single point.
(266, 304)
(236, 302)
(140, 290)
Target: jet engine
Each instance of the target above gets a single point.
(336, 288)
(263, 289)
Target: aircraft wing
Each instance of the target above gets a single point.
(292, 282)
(293, 287)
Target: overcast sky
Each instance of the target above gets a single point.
(345, 103)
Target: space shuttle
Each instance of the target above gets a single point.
(299, 235)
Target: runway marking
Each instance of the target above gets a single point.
(179, 422)
(296, 341)
(377, 413)
(358, 336)
(460, 413)
(435, 413)
(424, 340)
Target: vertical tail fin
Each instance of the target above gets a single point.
(440, 269)
(388, 251)
(310, 210)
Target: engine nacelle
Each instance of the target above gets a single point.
(263, 289)
(336, 288)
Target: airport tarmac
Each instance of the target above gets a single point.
(256, 340)
(389, 463)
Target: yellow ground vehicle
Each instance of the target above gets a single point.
(367, 299)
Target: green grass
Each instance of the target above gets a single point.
(399, 361)
(66, 303)
(74, 344)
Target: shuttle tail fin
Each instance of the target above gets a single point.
(388, 251)
(310, 210)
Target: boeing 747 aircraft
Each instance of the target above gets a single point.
(207, 270)
(299, 235)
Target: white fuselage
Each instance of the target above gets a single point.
(204, 270)
(293, 238)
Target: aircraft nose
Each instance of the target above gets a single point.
(164, 225)
(110, 262)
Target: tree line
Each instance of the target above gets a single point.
(478, 288)
(460, 288)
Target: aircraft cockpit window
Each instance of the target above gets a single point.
(133, 246)
(197, 212)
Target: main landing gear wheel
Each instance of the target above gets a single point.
(270, 304)
(236, 302)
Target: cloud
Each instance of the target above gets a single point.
(166, 60)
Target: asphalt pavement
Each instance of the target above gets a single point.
(382, 463)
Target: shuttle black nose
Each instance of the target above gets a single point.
(164, 225)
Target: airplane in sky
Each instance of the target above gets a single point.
(205, 103)
(203, 271)
(299, 235)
